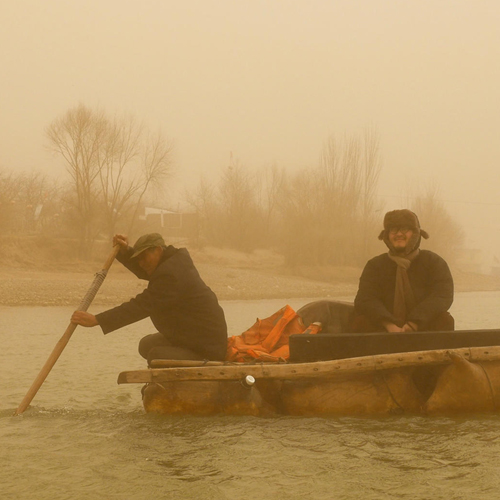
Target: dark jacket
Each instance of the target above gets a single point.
(430, 279)
(181, 306)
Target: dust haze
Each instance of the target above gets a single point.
(269, 83)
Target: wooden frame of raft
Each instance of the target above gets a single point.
(432, 382)
(319, 369)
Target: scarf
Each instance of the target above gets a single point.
(404, 300)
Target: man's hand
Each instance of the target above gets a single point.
(410, 327)
(391, 327)
(84, 319)
(122, 240)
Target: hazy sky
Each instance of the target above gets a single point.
(269, 81)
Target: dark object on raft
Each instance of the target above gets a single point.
(328, 346)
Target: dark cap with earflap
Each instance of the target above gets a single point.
(399, 219)
(150, 240)
(402, 218)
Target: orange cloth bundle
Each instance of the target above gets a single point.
(267, 339)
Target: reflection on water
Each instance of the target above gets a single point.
(87, 438)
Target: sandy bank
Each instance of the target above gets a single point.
(22, 287)
(46, 288)
(231, 275)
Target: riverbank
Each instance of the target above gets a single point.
(22, 287)
(231, 275)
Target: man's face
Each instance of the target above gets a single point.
(149, 259)
(399, 237)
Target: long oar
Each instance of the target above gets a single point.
(59, 347)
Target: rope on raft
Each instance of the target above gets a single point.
(91, 293)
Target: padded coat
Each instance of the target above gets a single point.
(181, 306)
(430, 280)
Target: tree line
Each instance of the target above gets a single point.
(324, 214)
(111, 163)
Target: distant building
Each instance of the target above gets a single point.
(169, 224)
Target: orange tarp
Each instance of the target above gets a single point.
(267, 339)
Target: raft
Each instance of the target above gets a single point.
(462, 376)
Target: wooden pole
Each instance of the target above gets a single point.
(63, 341)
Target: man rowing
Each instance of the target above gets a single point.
(185, 311)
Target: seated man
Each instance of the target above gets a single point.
(406, 289)
(182, 307)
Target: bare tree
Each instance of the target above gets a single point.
(446, 235)
(27, 201)
(79, 136)
(206, 206)
(156, 167)
(337, 203)
(229, 211)
(270, 184)
(298, 231)
(321, 215)
(370, 173)
(39, 196)
(118, 151)
(10, 187)
(112, 162)
(339, 189)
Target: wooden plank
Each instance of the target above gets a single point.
(170, 363)
(335, 368)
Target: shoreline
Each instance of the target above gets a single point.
(35, 287)
(45, 288)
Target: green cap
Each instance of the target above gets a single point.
(147, 241)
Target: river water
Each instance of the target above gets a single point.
(85, 437)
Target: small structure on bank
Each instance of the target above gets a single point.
(169, 223)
